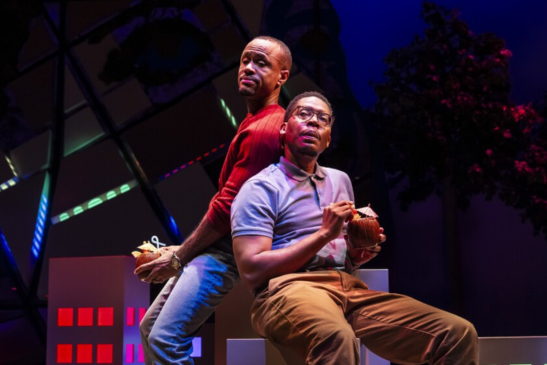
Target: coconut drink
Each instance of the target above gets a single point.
(149, 253)
(363, 229)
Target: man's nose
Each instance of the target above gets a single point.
(249, 68)
(314, 120)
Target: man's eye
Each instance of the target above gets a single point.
(304, 113)
(324, 118)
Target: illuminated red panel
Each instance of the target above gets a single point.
(129, 353)
(64, 354)
(65, 317)
(141, 354)
(84, 354)
(104, 354)
(105, 316)
(85, 316)
(142, 311)
(130, 316)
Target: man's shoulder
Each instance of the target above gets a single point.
(270, 112)
(264, 182)
(335, 173)
(266, 175)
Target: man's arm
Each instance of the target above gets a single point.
(257, 263)
(201, 238)
(258, 149)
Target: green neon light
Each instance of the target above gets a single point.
(91, 203)
(3, 186)
(11, 182)
(222, 103)
(94, 203)
(11, 166)
(234, 123)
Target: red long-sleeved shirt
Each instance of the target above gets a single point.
(255, 146)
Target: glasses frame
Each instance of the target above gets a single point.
(298, 107)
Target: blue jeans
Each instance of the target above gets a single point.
(183, 305)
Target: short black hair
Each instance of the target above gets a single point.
(287, 57)
(307, 94)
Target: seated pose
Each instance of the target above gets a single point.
(202, 270)
(287, 229)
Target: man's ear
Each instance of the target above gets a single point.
(282, 132)
(328, 141)
(284, 76)
(283, 129)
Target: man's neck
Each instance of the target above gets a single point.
(305, 163)
(253, 106)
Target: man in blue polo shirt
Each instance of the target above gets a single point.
(287, 229)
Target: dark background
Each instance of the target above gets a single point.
(148, 98)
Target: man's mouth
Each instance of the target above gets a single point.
(247, 81)
(310, 133)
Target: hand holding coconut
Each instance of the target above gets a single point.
(149, 253)
(149, 262)
(364, 235)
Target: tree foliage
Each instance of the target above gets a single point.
(444, 113)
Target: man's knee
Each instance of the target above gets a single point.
(462, 334)
(339, 345)
(464, 329)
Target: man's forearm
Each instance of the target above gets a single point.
(201, 238)
(257, 263)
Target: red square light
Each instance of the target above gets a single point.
(85, 316)
(65, 317)
(104, 354)
(129, 353)
(64, 354)
(84, 354)
(105, 316)
(130, 316)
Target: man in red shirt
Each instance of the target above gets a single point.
(202, 269)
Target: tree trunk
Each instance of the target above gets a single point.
(452, 247)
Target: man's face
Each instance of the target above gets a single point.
(260, 70)
(308, 138)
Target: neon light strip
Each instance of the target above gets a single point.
(8, 184)
(11, 166)
(111, 194)
(228, 113)
(117, 192)
(39, 228)
(206, 154)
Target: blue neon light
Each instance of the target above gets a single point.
(39, 229)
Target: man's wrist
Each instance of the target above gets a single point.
(176, 264)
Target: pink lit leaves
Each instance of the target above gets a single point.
(444, 112)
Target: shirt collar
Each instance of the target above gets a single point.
(295, 173)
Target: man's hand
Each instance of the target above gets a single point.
(334, 217)
(160, 269)
(359, 256)
(171, 249)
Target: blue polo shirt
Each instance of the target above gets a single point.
(286, 204)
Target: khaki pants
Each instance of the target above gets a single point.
(319, 315)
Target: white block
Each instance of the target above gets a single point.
(512, 350)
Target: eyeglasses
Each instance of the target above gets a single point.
(305, 114)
